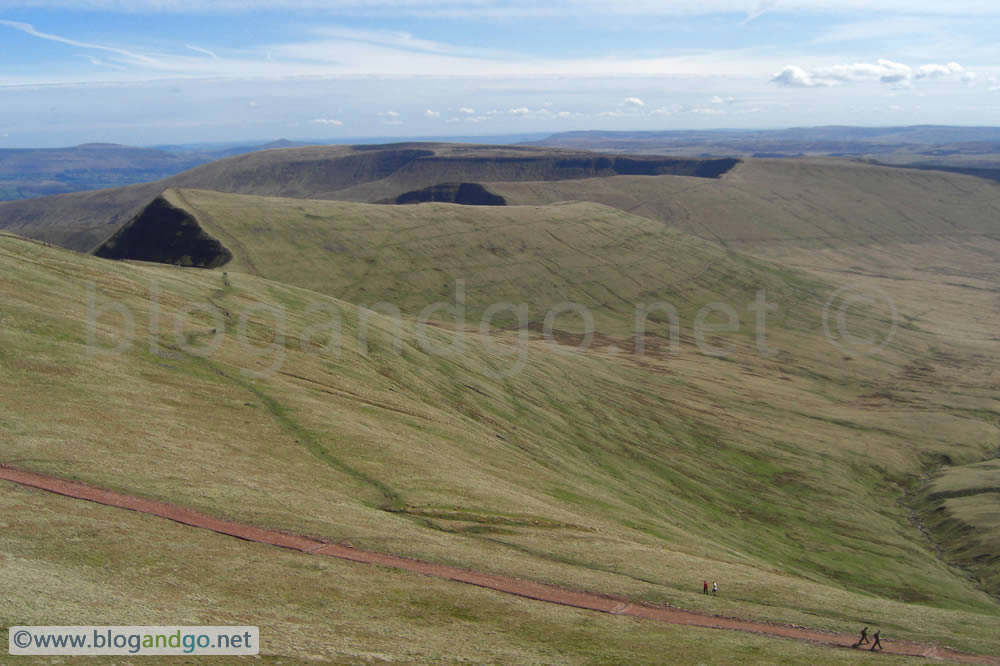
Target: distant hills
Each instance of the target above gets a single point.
(928, 146)
(26, 173)
(34, 172)
(373, 173)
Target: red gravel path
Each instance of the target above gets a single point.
(521, 588)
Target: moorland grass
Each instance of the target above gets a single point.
(597, 471)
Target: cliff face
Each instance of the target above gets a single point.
(165, 234)
(468, 194)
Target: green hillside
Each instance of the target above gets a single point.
(612, 472)
(611, 262)
(803, 203)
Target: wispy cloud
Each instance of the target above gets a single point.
(97, 62)
(31, 30)
(888, 27)
(207, 52)
(403, 40)
(760, 6)
(332, 122)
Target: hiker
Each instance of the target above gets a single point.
(877, 643)
(715, 587)
(864, 637)
(704, 590)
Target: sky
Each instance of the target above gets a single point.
(153, 72)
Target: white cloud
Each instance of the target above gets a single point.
(252, 104)
(388, 114)
(432, 114)
(667, 110)
(795, 77)
(327, 121)
(520, 111)
(883, 71)
(466, 110)
(385, 37)
(633, 103)
(887, 71)
(938, 71)
(207, 52)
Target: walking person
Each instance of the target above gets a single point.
(704, 590)
(715, 587)
(864, 637)
(877, 643)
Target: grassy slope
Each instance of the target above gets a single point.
(802, 203)
(962, 508)
(929, 241)
(313, 608)
(412, 256)
(630, 476)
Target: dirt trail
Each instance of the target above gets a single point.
(521, 588)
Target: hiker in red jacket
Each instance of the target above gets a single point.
(705, 589)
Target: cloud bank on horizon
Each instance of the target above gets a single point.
(162, 71)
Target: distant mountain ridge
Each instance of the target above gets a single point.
(27, 173)
(34, 172)
(929, 145)
(365, 173)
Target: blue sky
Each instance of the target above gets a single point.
(169, 71)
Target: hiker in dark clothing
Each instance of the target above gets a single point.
(877, 643)
(864, 637)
